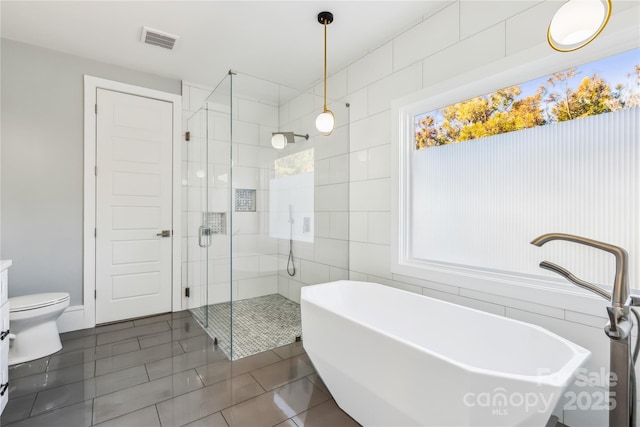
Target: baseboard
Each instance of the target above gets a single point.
(73, 319)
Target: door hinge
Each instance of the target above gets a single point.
(186, 292)
(96, 109)
(95, 294)
(95, 232)
(95, 170)
(187, 136)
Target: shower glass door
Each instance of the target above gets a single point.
(263, 222)
(208, 170)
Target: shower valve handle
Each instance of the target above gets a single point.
(204, 236)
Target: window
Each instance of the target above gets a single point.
(291, 197)
(608, 85)
(472, 208)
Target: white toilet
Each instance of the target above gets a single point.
(32, 321)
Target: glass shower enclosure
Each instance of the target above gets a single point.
(260, 222)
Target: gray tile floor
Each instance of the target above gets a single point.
(165, 371)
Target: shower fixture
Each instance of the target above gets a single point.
(577, 23)
(279, 140)
(325, 122)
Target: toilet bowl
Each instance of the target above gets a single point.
(32, 321)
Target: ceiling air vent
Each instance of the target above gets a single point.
(158, 38)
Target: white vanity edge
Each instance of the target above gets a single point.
(4, 264)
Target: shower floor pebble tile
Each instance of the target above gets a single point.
(259, 324)
(197, 384)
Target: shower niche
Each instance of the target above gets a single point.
(250, 206)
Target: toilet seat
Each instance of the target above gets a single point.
(32, 302)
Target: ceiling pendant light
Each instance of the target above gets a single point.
(325, 122)
(577, 23)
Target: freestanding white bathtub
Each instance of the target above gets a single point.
(394, 358)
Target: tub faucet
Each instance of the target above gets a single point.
(620, 295)
(619, 327)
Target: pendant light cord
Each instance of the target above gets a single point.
(325, 65)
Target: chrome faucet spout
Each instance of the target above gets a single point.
(620, 292)
(618, 329)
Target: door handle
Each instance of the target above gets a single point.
(4, 334)
(204, 236)
(164, 233)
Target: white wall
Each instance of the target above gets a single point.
(42, 163)
(462, 37)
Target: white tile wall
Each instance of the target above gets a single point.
(371, 131)
(475, 16)
(294, 290)
(246, 132)
(312, 272)
(257, 287)
(339, 169)
(515, 303)
(339, 223)
(483, 48)
(298, 107)
(359, 102)
(332, 252)
(463, 36)
(399, 285)
(358, 226)
(522, 30)
(256, 112)
(322, 224)
(338, 84)
(322, 172)
(371, 195)
(400, 83)
(197, 96)
(379, 166)
(370, 258)
(469, 302)
(430, 36)
(332, 198)
(374, 66)
(426, 284)
(336, 273)
(359, 165)
(379, 228)
(330, 146)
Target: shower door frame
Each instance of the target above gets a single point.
(207, 161)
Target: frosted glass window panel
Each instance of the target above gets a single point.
(292, 195)
(480, 204)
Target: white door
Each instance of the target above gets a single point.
(133, 206)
